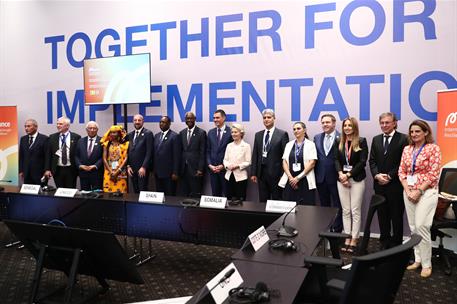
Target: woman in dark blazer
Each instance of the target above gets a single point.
(350, 159)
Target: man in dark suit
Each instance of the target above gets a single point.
(192, 148)
(326, 175)
(32, 153)
(61, 162)
(267, 158)
(166, 158)
(385, 156)
(140, 154)
(218, 139)
(89, 159)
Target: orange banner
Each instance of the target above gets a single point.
(447, 126)
(8, 146)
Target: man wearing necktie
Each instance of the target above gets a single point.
(218, 139)
(266, 158)
(60, 162)
(166, 158)
(326, 175)
(385, 156)
(89, 159)
(140, 154)
(32, 153)
(191, 146)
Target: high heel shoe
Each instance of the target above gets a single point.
(414, 266)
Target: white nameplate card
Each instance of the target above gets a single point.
(258, 238)
(66, 192)
(151, 197)
(213, 202)
(30, 189)
(221, 290)
(279, 206)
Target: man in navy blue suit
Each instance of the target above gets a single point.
(140, 154)
(326, 175)
(166, 160)
(218, 139)
(89, 159)
(32, 153)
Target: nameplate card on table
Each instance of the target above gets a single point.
(258, 238)
(30, 189)
(66, 192)
(279, 206)
(230, 278)
(151, 197)
(218, 202)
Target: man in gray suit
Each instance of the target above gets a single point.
(192, 148)
(267, 158)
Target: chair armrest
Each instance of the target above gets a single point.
(336, 284)
(316, 260)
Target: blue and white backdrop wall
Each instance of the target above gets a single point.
(301, 58)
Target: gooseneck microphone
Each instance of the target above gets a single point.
(227, 275)
(287, 231)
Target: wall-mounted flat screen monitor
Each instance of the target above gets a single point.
(117, 80)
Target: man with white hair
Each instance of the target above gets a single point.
(60, 162)
(32, 153)
(89, 159)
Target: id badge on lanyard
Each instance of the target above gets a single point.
(296, 166)
(412, 178)
(347, 167)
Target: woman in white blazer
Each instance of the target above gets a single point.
(237, 159)
(298, 162)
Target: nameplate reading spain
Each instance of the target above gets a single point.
(258, 238)
(151, 197)
(279, 206)
(66, 192)
(30, 189)
(207, 201)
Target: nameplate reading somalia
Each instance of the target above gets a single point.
(30, 189)
(258, 238)
(66, 192)
(279, 206)
(151, 197)
(213, 201)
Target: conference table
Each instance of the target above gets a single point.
(228, 227)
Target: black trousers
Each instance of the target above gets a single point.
(165, 185)
(236, 189)
(190, 185)
(65, 177)
(390, 215)
(268, 187)
(140, 183)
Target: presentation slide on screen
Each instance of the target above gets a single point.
(117, 80)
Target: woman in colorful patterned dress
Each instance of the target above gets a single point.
(115, 149)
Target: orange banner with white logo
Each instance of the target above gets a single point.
(8, 146)
(447, 126)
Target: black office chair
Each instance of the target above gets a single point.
(373, 278)
(336, 239)
(448, 184)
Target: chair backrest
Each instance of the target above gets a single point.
(375, 278)
(376, 201)
(448, 181)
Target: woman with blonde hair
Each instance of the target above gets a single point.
(115, 149)
(350, 160)
(237, 159)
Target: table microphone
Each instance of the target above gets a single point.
(287, 231)
(227, 275)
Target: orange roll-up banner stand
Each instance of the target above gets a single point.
(8, 146)
(447, 127)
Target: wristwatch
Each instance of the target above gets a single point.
(421, 191)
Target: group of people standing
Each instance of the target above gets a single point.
(405, 168)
